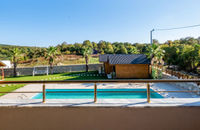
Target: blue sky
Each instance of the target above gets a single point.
(50, 22)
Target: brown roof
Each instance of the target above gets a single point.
(2, 64)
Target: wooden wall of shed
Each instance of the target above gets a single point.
(150, 70)
(108, 68)
(132, 71)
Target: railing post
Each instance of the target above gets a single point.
(95, 92)
(148, 93)
(43, 93)
(198, 85)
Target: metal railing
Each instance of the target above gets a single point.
(147, 81)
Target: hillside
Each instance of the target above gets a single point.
(5, 50)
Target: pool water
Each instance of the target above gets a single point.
(101, 94)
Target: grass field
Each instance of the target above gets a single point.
(63, 76)
(9, 88)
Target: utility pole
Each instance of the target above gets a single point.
(168, 29)
(151, 39)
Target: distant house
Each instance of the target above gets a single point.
(126, 65)
(6, 63)
(2, 64)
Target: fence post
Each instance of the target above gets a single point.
(2, 74)
(95, 92)
(148, 93)
(43, 93)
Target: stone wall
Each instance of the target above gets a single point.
(56, 69)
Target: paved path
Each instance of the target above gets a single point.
(171, 87)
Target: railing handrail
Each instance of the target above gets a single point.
(103, 81)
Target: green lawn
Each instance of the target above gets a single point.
(62, 76)
(9, 88)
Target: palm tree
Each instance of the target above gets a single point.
(15, 56)
(51, 54)
(86, 52)
(152, 50)
(156, 54)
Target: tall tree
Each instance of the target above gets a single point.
(109, 49)
(140, 47)
(94, 44)
(132, 49)
(78, 48)
(51, 54)
(189, 40)
(122, 50)
(87, 43)
(101, 47)
(189, 57)
(15, 56)
(171, 55)
(86, 52)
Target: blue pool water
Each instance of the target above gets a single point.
(101, 94)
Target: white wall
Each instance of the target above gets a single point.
(7, 62)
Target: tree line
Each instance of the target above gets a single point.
(184, 52)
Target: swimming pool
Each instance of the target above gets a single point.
(101, 94)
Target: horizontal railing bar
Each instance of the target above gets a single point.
(24, 92)
(97, 91)
(115, 91)
(104, 81)
(171, 91)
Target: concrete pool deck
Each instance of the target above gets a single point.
(166, 102)
(170, 99)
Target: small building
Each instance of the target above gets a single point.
(135, 66)
(7, 63)
(2, 65)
